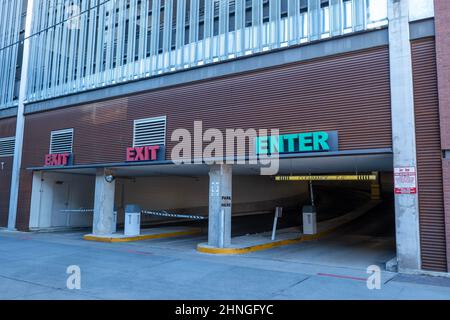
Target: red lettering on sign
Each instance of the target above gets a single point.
(148, 153)
(139, 154)
(48, 158)
(65, 159)
(130, 154)
(57, 160)
(153, 151)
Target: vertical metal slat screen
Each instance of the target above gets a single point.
(10, 25)
(79, 45)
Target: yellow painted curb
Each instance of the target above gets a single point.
(264, 246)
(258, 247)
(142, 237)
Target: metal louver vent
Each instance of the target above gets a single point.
(61, 141)
(149, 132)
(7, 147)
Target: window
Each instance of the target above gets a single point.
(7, 147)
(303, 6)
(347, 14)
(149, 132)
(325, 16)
(61, 141)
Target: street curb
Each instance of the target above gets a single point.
(110, 239)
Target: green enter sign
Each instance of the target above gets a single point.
(321, 141)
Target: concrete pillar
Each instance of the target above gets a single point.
(20, 121)
(220, 188)
(103, 205)
(403, 133)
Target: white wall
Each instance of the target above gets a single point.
(185, 192)
(421, 9)
(164, 193)
(52, 192)
(158, 193)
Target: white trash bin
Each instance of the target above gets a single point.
(132, 220)
(309, 220)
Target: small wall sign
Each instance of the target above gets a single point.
(405, 180)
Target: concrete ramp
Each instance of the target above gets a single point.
(262, 241)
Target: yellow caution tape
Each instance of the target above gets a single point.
(356, 177)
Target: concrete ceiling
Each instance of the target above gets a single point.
(315, 165)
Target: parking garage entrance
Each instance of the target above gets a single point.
(358, 212)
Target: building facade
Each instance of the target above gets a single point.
(88, 86)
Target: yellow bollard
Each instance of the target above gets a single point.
(375, 188)
(375, 192)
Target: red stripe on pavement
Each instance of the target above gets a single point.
(341, 277)
(139, 252)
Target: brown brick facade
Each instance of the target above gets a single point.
(7, 129)
(442, 25)
(429, 156)
(446, 173)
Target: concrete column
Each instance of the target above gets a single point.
(220, 186)
(103, 205)
(20, 121)
(403, 133)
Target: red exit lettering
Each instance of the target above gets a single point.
(53, 160)
(148, 153)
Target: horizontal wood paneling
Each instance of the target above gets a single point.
(429, 157)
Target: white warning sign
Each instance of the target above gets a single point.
(405, 180)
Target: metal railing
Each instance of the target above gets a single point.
(164, 213)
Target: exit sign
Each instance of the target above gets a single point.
(58, 160)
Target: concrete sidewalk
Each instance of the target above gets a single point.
(33, 266)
